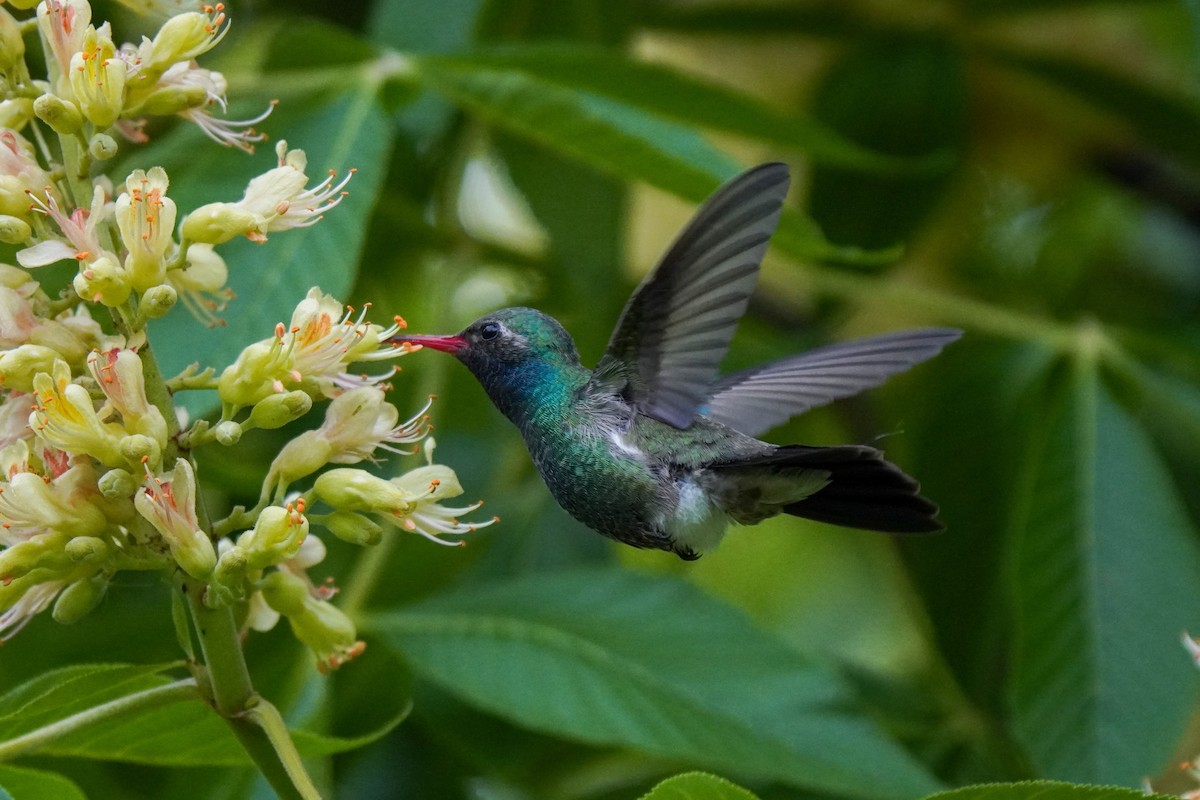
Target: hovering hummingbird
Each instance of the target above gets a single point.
(653, 449)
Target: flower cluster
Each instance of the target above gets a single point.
(97, 470)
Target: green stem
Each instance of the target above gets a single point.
(269, 720)
(123, 706)
(234, 698)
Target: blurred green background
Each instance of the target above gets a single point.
(1026, 170)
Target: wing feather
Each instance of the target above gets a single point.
(677, 326)
(758, 399)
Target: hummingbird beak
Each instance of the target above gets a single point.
(447, 344)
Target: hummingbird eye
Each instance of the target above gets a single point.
(490, 330)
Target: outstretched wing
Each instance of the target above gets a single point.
(664, 353)
(758, 399)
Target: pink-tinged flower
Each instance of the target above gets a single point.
(119, 375)
(65, 416)
(14, 418)
(63, 24)
(17, 320)
(81, 240)
(20, 174)
(170, 506)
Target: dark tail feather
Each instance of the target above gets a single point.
(865, 490)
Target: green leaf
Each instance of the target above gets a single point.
(698, 786)
(612, 136)
(675, 95)
(63, 692)
(1107, 575)
(180, 734)
(615, 658)
(1164, 116)
(1043, 790)
(19, 783)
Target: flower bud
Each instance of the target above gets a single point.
(277, 536)
(19, 365)
(302, 456)
(16, 112)
(103, 281)
(117, 484)
(169, 100)
(60, 114)
(227, 433)
(13, 277)
(353, 528)
(349, 489)
(217, 223)
(319, 624)
(14, 230)
(138, 446)
(87, 550)
(102, 147)
(12, 46)
(158, 300)
(78, 599)
(228, 583)
(280, 409)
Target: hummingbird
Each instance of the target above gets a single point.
(651, 447)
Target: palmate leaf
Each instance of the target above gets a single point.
(20, 783)
(611, 135)
(187, 733)
(614, 658)
(1107, 574)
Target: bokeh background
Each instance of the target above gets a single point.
(1025, 170)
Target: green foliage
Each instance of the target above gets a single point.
(1036, 164)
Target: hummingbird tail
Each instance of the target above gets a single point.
(865, 490)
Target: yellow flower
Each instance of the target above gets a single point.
(65, 416)
(97, 77)
(146, 218)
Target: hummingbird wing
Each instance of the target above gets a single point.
(674, 331)
(758, 399)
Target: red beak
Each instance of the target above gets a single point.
(447, 344)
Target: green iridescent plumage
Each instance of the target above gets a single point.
(651, 448)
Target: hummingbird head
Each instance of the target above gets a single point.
(509, 352)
